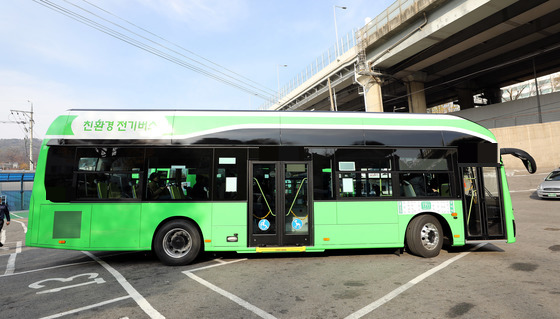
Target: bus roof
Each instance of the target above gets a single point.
(186, 125)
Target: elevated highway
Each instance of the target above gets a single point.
(422, 53)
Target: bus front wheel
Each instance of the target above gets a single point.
(424, 236)
(177, 243)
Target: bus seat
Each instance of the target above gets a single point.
(444, 190)
(407, 190)
(134, 194)
(175, 192)
(114, 190)
(102, 190)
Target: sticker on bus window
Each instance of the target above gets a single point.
(347, 185)
(297, 224)
(226, 160)
(231, 184)
(346, 166)
(264, 224)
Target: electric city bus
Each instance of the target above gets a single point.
(182, 182)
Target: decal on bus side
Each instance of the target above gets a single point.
(415, 207)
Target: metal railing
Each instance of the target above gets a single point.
(395, 14)
(346, 42)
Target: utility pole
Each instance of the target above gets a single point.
(29, 115)
(31, 137)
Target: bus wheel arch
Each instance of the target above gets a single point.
(177, 241)
(425, 235)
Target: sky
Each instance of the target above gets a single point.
(54, 63)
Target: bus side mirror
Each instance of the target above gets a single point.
(527, 159)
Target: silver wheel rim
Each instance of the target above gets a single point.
(177, 243)
(429, 236)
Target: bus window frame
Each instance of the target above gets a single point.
(450, 157)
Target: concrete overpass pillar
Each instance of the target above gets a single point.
(415, 90)
(465, 95)
(494, 95)
(373, 99)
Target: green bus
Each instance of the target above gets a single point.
(181, 182)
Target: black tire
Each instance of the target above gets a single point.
(424, 236)
(177, 243)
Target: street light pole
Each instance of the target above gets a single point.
(278, 76)
(336, 28)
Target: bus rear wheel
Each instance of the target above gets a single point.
(177, 243)
(424, 236)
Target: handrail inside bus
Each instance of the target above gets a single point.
(294, 201)
(266, 201)
(527, 159)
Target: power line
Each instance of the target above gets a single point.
(179, 46)
(218, 75)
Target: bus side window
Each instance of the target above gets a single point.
(424, 184)
(108, 173)
(58, 173)
(230, 174)
(427, 171)
(364, 173)
(180, 169)
(323, 162)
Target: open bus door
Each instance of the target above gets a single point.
(483, 205)
(527, 159)
(482, 197)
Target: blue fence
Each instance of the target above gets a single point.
(15, 188)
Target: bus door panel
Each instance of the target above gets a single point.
(482, 201)
(279, 210)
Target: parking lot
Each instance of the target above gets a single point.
(494, 280)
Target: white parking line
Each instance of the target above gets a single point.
(22, 225)
(11, 267)
(140, 300)
(256, 310)
(383, 300)
(58, 315)
(259, 312)
(48, 268)
(522, 191)
(221, 263)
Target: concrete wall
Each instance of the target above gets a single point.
(518, 112)
(516, 124)
(542, 141)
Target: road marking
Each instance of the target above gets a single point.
(41, 284)
(140, 300)
(22, 225)
(383, 300)
(3, 236)
(259, 312)
(221, 263)
(522, 191)
(62, 314)
(256, 310)
(11, 267)
(49, 268)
